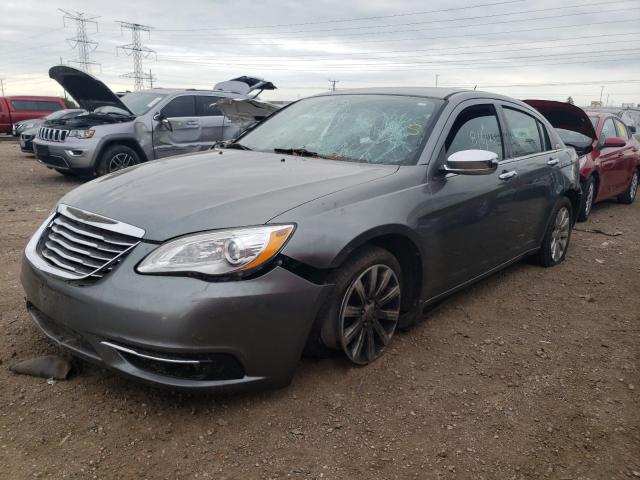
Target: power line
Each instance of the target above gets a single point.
(439, 21)
(81, 41)
(137, 50)
(353, 19)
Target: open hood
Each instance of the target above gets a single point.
(244, 85)
(565, 116)
(88, 91)
(245, 112)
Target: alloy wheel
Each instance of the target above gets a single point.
(560, 234)
(589, 201)
(120, 161)
(369, 314)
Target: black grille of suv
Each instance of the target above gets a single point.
(80, 249)
(52, 134)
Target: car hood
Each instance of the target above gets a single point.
(216, 189)
(564, 115)
(89, 92)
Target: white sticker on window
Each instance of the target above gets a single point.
(153, 102)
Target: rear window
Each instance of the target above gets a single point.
(35, 105)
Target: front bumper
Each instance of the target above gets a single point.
(72, 155)
(261, 323)
(26, 143)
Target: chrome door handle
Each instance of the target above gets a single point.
(553, 161)
(192, 123)
(507, 175)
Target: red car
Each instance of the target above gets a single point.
(18, 109)
(609, 153)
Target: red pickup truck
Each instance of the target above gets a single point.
(17, 109)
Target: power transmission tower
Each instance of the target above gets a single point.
(136, 50)
(81, 41)
(333, 84)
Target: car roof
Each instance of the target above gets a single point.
(427, 92)
(173, 91)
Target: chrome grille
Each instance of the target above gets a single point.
(83, 245)
(52, 134)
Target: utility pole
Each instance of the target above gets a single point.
(136, 50)
(601, 91)
(333, 84)
(151, 79)
(81, 41)
(437, 75)
(2, 86)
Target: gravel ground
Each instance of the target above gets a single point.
(533, 373)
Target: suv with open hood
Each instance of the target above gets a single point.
(118, 132)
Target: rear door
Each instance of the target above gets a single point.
(627, 162)
(538, 170)
(211, 120)
(611, 161)
(185, 132)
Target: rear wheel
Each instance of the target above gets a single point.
(361, 315)
(630, 194)
(588, 196)
(116, 157)
(556, 239)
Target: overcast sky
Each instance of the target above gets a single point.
(526, 49)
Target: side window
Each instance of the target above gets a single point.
(205, 107)
(522, 133)
(621, 129)
(608, 130)
(546, 141)
(476, 128)
(180, 107)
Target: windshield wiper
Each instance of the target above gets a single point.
(300, 152)
(237, 146)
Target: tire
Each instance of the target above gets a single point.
(116, 157)
(548, 256)
(341, 316)
(588, 196)
(630, 194)
(66, 173)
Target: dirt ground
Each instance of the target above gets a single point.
(533, 373)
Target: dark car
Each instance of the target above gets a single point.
(609, 154)
(326, 227)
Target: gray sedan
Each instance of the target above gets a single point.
(323, 229)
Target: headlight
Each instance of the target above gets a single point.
(81, 133)
(220, 252)
(24, 126)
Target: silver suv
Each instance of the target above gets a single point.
(118, 132)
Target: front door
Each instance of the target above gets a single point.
(184, 131)
(612, 164)
(472, 227)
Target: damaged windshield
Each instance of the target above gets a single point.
(383, 129)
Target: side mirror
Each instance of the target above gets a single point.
(472, 162)
(614, 142)
(164, 121)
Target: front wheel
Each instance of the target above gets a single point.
(588, 195)
(361, 315)
(116, 157)
(556, 239)
(630, 194)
